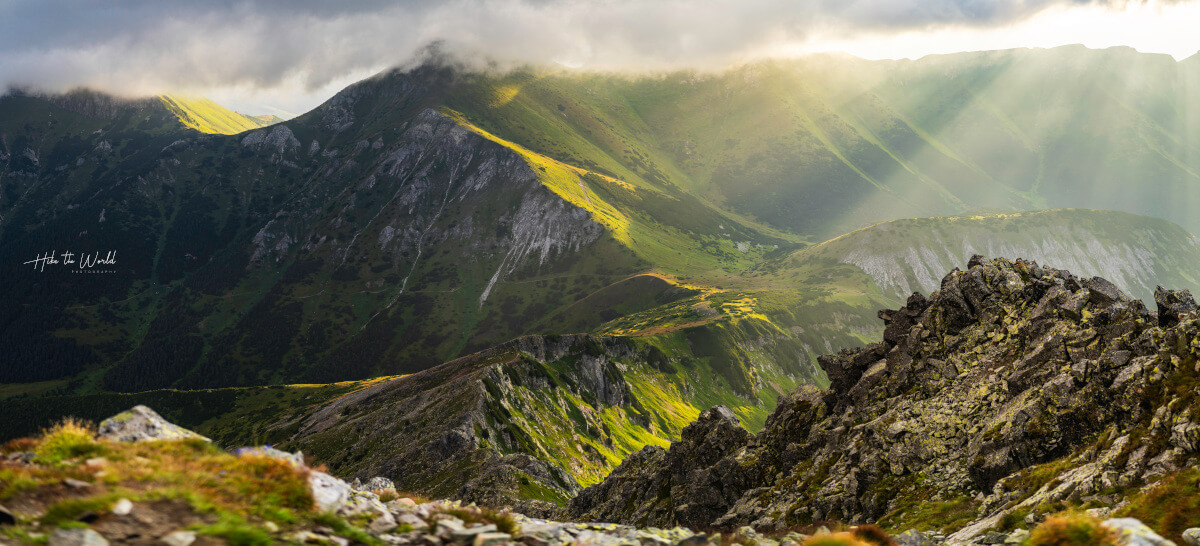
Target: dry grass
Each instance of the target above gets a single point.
(228, 491)
(836, 539)
(1073, 529)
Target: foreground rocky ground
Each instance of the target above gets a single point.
(141, 480)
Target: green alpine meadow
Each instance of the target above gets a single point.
(627, 273)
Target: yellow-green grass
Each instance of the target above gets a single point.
(206, 116)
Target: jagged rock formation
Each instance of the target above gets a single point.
(1009, 365)
(690, 471)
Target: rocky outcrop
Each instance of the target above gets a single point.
(1008, 366)
(141, 424)
(692, 474)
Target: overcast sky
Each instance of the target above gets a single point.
(292, 54)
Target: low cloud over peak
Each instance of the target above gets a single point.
(310, 48)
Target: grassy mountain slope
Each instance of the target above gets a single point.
(823, 145)
(368, 249)
(206, 116)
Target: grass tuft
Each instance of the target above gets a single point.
(68, 439)
(1073, 529)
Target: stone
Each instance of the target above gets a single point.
(140, 424)
(76, 484)
(467, 535)
(913, 538)
(378, 483)
(384, 523)
(328, 492)
(412, 520)
(1104, 293)
(76, 537)
(1172, 304)
(992, 537)
(491, 539)
(179, 538)
(122, 508)
(7, 517)
(1018, 536)
(1191, 537)
(541, 534)
(1136, 533)
(594, 538)
(445, 528)
(359, 503)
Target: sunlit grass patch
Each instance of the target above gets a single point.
(70, 438)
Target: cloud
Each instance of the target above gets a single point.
(306, 48)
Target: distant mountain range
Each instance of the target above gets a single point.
(423, 215)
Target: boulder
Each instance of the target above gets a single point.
(329, 493)
(1136, 533)
(1173, 304)
(140, 424)
(179, 538)
(378, 483)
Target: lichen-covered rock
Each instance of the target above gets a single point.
(378, 483)
(141, 423)
(1136, 533)
(1173, 305)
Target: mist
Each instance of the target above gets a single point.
(294, 54)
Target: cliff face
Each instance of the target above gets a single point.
(1010, 365)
